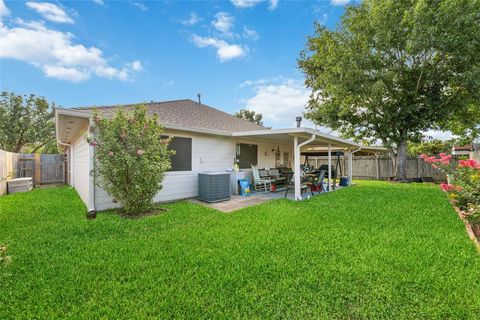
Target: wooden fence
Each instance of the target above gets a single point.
(381, 167)
(43, 168)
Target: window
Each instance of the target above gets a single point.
(182, 159)
(247, 155)
(285, 158)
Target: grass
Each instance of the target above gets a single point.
(373, 251)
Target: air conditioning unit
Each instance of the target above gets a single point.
(214, 186)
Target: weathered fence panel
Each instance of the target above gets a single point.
(43, 168)
(8, 165)
(381, 167)
(52, 168)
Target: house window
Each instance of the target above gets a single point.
(247, 155)
(285, 158)
(182, 159)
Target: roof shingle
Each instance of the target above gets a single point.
(187, 114)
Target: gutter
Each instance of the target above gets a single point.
(70, 151)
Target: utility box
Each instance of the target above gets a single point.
(214, 186)
(20, 185)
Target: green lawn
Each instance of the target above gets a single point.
(377, 250)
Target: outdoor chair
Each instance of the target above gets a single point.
(261, 183)
(317, 184)
(305, 184)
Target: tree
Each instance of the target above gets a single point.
(251, 116)
(132, 157)
(395, 69)
(26, 123)
(430, 146)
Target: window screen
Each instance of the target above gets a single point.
(182, 159)
(247, 155)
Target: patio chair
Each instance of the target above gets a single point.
(317, 184)
(261, 183)
(305, 184)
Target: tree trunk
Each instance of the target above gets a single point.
(401, 174)
(399, 161)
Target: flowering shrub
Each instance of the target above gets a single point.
(131, 158)
(464, 182)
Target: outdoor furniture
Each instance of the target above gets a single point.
(317, 184)
(305, 184)
(261, 183)
(279, 182)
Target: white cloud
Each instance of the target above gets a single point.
(250, 33)
(242, 4)
(192, 20)
(136, 65)
(50, 12)
(56, 54)
(140, 6)
(224, 23)
(99, 2)
(273, 4)
(339, 2)
(4, 12)
(63, 73)
(225, 51)
(280, 100)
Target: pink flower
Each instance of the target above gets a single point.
(442, 155)
(423, 156)
(449, 187)
(110, 154)
(93, 143)
(140, 152)
(468, 163)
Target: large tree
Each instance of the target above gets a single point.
(26, 124)
(250, 115)
(394, 69)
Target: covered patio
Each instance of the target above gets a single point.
(303, 139)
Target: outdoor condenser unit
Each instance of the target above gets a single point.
(214, 186)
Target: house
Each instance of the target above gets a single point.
(205, 139)
(472, 151)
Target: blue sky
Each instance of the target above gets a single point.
(236, 53)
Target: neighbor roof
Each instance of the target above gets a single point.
(186, 114)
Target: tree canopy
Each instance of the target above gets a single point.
(250, 115)
(394, 69)
(26, 124)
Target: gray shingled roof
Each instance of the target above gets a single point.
(187, 114)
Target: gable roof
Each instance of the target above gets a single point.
(185, 114)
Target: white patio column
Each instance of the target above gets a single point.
(296, 168)
(329, 166)
(350, 167)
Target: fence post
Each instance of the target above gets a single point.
(378, 166)
(38, 172)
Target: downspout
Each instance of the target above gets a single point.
(70, 160)
(92, 213)
(298, 189)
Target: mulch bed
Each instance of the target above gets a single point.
(473, 230)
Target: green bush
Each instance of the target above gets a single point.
(131, 156)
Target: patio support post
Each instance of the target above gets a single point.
(329, 166)
(350, 167)
(296, 168)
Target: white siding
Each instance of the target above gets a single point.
(209, 153)
(80, 167)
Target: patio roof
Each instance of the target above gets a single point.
(303, 134)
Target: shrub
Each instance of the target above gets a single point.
(131, 156)
(464, 182)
